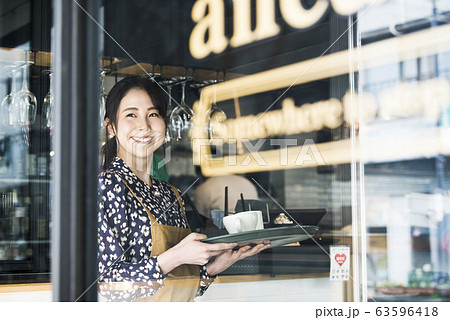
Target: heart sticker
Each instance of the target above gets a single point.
(340, 259)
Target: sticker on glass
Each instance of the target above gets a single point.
(339, 263)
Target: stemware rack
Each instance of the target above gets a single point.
(178, 78)
(163, 74)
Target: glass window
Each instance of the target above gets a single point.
(330, 118)
(25, 147)
(403, 131)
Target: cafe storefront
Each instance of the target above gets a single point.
(337, 112)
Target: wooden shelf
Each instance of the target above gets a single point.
(267, 277)
(25, 287)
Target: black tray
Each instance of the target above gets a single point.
(277, 236)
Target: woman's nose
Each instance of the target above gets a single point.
(144, 124)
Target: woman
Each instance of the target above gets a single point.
(146, 250)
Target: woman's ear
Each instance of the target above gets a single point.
(110, 127)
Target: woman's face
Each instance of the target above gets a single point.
(140, 129)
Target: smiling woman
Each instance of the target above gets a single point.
(146, 249)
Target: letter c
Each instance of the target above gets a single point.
(298, 17)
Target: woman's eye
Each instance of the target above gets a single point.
(155, 114)
(131, 115)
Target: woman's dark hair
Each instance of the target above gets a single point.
(116, 95)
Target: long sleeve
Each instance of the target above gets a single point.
(117, 242)
(205, 281)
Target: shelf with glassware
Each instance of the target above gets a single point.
(181, 79)
(25, 156)
(21, 163)
(25, 229)
(24, 224)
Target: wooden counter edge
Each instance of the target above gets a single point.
(267, 277)
(34, 287)
(25, 287)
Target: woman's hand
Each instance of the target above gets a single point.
(191, 250)
(229, 257)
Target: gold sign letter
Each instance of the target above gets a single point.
(298, 17)
(212, 24)
(265, 22)
(346, 8)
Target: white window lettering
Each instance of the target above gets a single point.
(304, 154)
(253, 151)
(283, 143)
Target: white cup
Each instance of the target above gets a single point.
(243, 221)
(260, 223)
(217, 218)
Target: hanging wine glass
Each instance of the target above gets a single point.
(215, 117)
(8, 118)
(188, 115)
(169, 105)
(181, 117)
(169, 111)
(169, 129)
(175, 124)
(25, 101)
(102, 98)
(47, 107)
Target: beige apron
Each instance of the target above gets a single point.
(182, 283)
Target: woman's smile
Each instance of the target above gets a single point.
(143, 140)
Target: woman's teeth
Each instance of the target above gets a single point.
(147, 139)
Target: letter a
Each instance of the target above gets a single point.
(305, 156)
(213, 23)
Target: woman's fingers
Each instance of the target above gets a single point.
(249, 251)
(197, 236)
(244, 249)
(215, 249)
(212, 247)
(219, 247)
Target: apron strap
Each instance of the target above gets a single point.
(177, 194)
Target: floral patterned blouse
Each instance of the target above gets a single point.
(124, 235)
